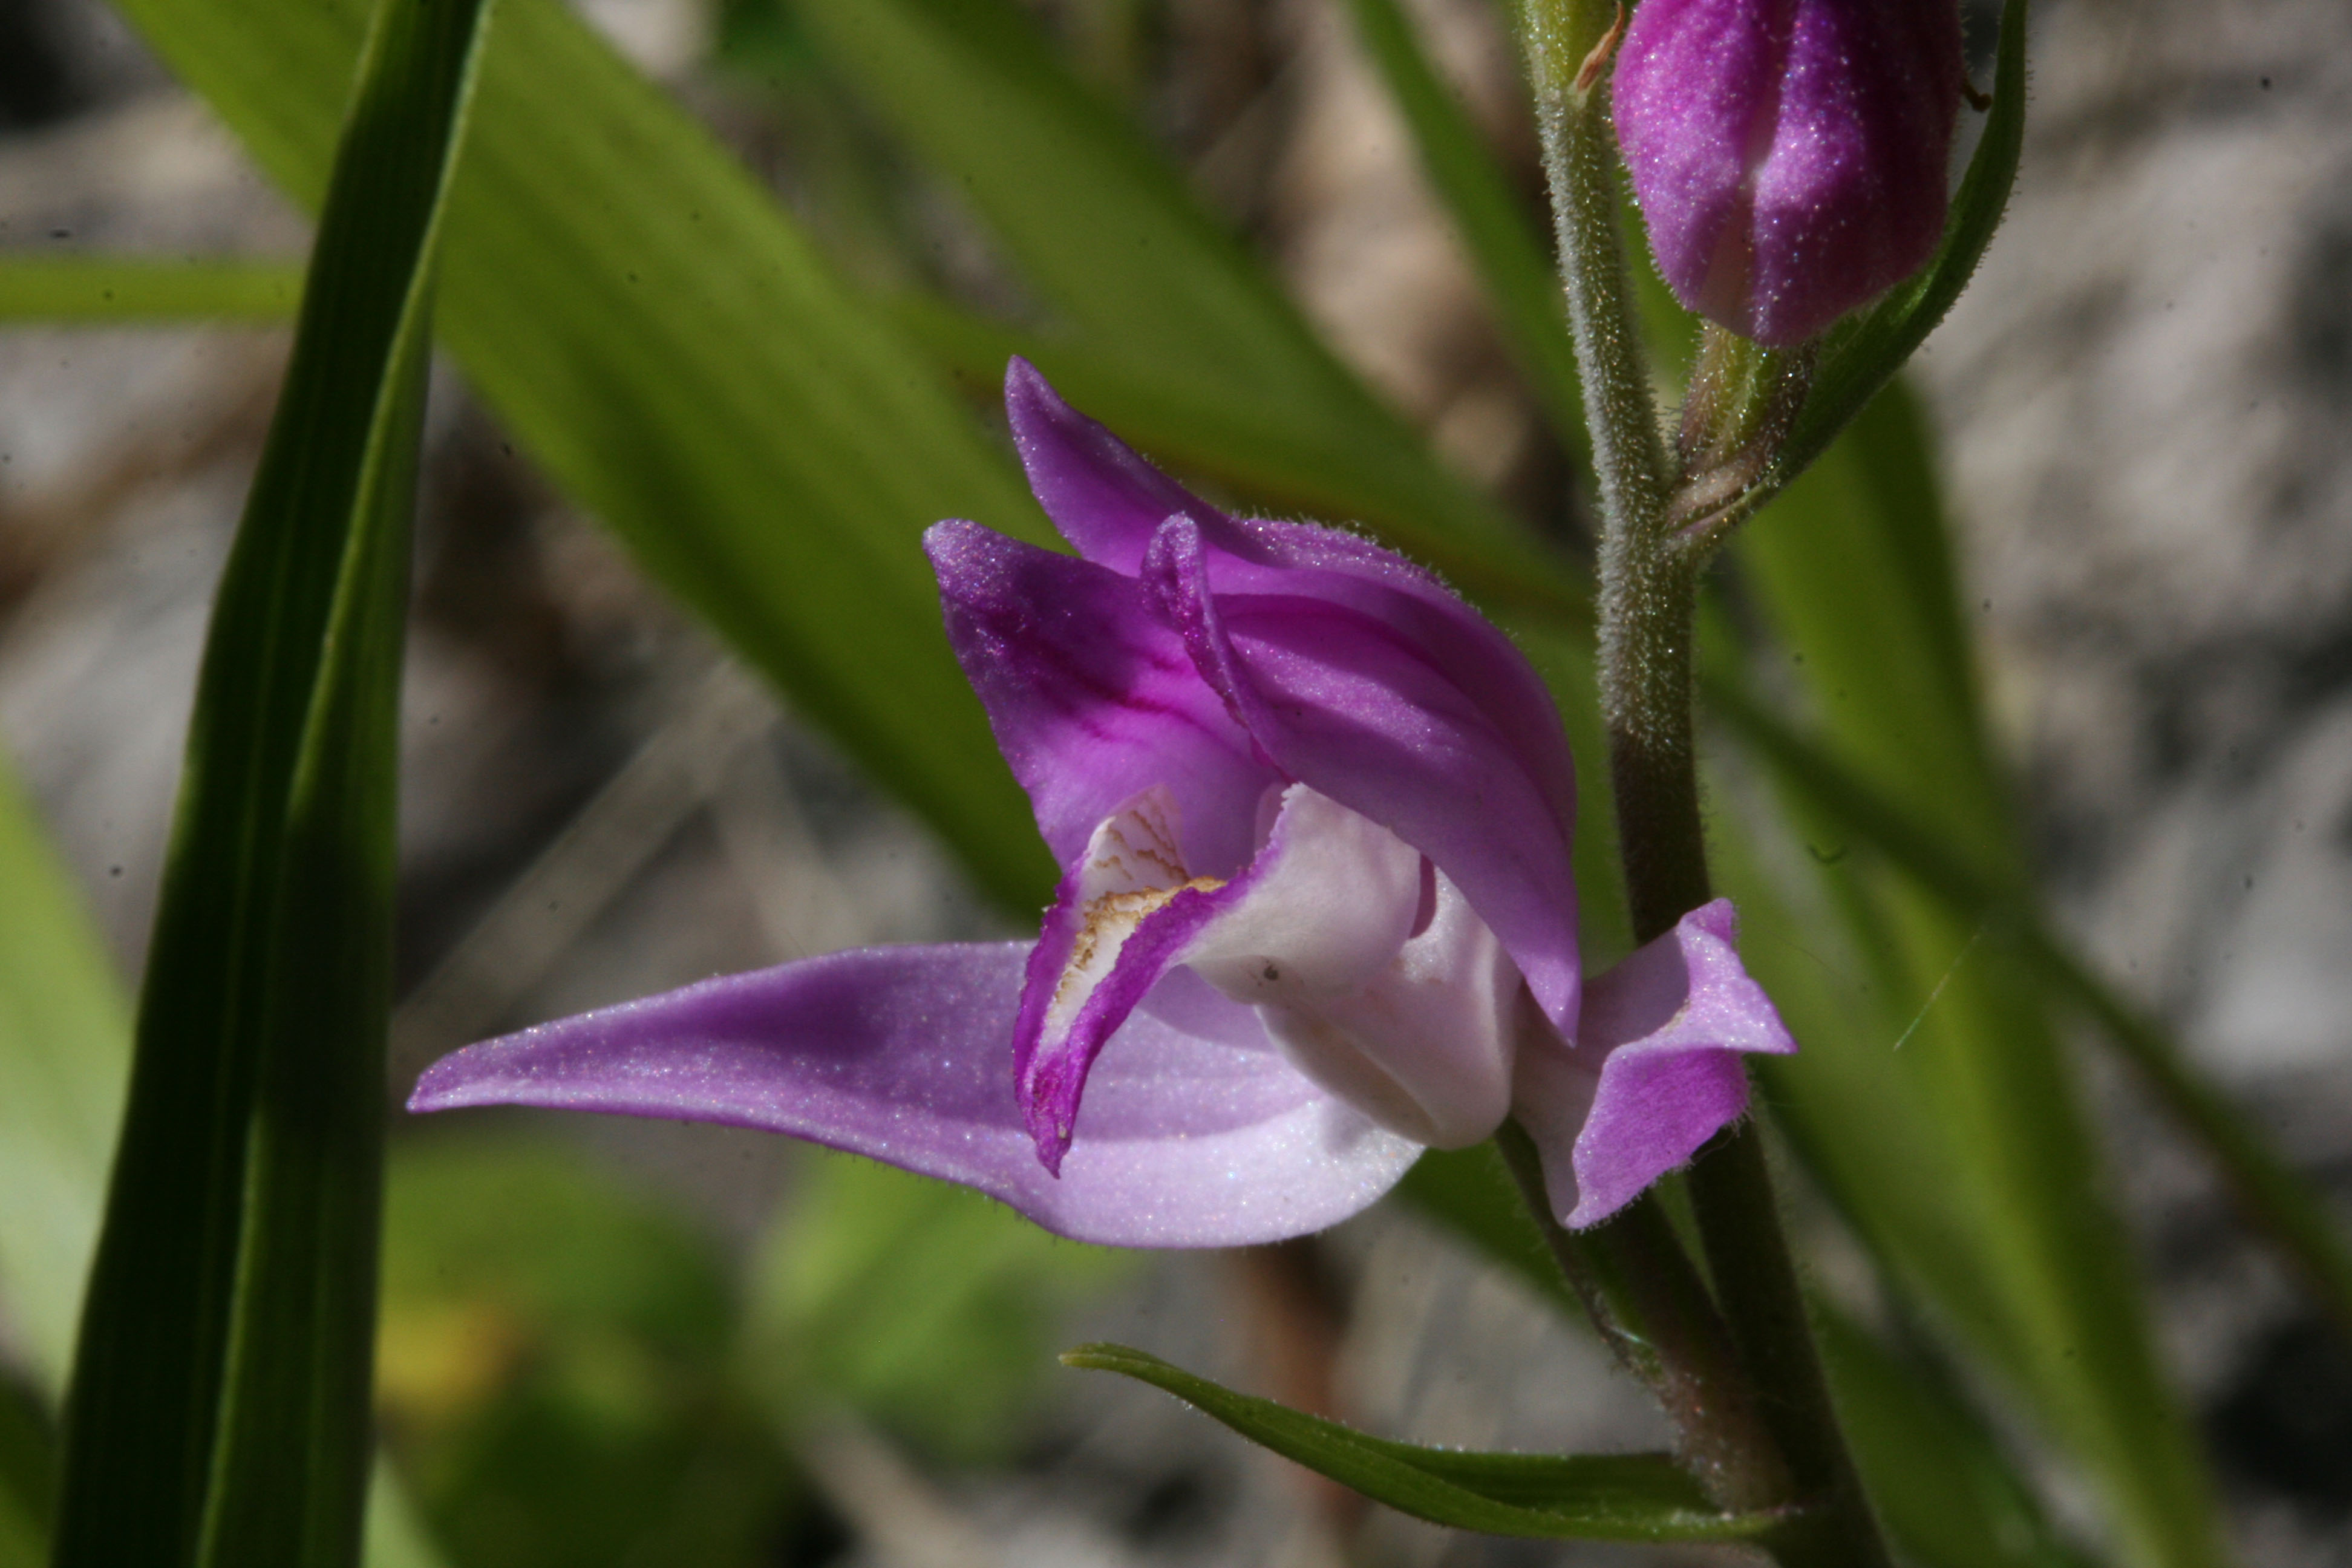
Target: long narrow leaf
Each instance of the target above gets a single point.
(1963, 1156)
(672, 351)
(28, 1462)
(1617, 1497)
(1082, 201)
(1949, 1494)
(2273, 1196)
(64, 1053)
(1100, 223)
(65, 1061)
(219, 1408)
(1504, 240)
(1941, 1482)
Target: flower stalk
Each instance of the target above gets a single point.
(1652, 1308)
(1649, 577)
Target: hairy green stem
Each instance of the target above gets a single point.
(1651, 1306)
(1648, 591)
(1629, 457)
(1739, 1226)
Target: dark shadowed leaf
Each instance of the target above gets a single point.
(219, 1406)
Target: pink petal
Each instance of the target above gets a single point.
(1198, 1133)
(1656, 1069)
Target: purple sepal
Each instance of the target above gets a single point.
(1399, 701)
(1655, 1070)
(1091, 698)
(1102, 494)
(1198, 1133)
(1789, 156)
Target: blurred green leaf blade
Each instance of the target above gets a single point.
(673, 352)
(1101, 224)
(926, 1308)
(1492, 222)
(219, 1407)
(1587, 1497)
(1092, 213)
(1946, 1489)
(65, 1054)
(2275, 1197)
(1963, 1157)
(559, 1367)
(106, 290)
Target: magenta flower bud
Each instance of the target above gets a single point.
(1789, 156)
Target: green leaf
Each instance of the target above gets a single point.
(28, 1477)
(1946, 1491)
(2273, 1196)
(65, 1061)
(1944, 1486)
(112, 288)
(1863, 353)
(1094, 217)
(674, 353)
(559, 1363)
(1931, 1098)
(65, 1054)
(1089, 210)
(219, 1408)
(1587, 1497)
(1504, 241)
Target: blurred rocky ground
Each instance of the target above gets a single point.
(2145, 405)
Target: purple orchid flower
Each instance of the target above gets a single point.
(1316, 914)
(1789, 156)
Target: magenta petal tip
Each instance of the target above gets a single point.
(1655, 1070)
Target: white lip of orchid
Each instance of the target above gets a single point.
(1366, 966)
(1427, 1046)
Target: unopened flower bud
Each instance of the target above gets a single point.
(1789, 156)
